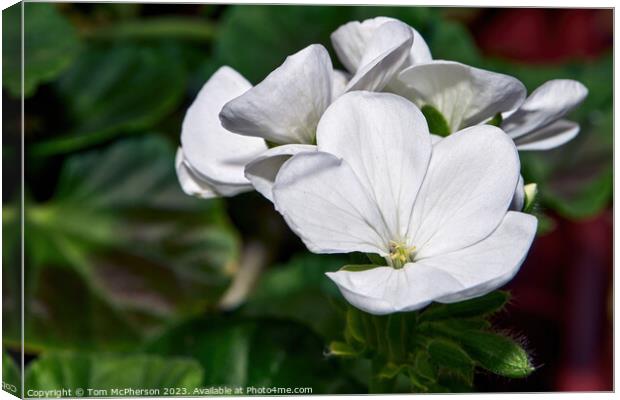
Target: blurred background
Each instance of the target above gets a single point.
(130, 282)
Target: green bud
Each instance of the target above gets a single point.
(531, 192)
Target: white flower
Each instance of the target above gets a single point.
(464, 95)
(438, 214)
(538, 123)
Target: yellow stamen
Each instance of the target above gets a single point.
(400, 254)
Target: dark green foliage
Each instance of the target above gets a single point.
(253, 352)
(121, 237)
(50, 45)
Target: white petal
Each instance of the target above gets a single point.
(339, 83)
(324, 203)
(553, 135)
(460, 275)
(383, 58)
(519, 197)
(190, 183)
(420, 53)
(490, 263)
(464, 95)
(351, 40)
(262, 171)
(286, 106)
(468, 187)
(385, 140)
(211, 150)
(435, 139)
(385, 290)
(548, 103)
(194, 184)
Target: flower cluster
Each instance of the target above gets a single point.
(401, 156)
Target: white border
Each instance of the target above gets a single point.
(459, 3)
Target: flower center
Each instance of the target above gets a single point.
(400, 254)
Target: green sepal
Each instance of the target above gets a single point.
(478, 307)
(450, 358)
(358, 267)
(430, 328)
(447, 354)
(390, 370)
(341, 349)
(496, 120)
(455, 383)
(271, 145)
(424, 368)
(437, 123)
(376, 259)
(397, 333)
(355, 326)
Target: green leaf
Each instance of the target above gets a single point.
(135, 87)
(449, 40)
(496, 353)
(437, 124)
(480, 306)
(50, 45)
(300, 291)
(253, 352)
(276, 32)
(73, 371)
(120, 235)
(575, 179)
(154, 28)
(11, 377)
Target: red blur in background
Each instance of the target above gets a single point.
(563, 295)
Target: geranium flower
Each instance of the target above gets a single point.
(537, 124)
(437, 214)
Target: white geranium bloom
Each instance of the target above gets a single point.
(538, 123)
(464, 95)
(438, 214)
